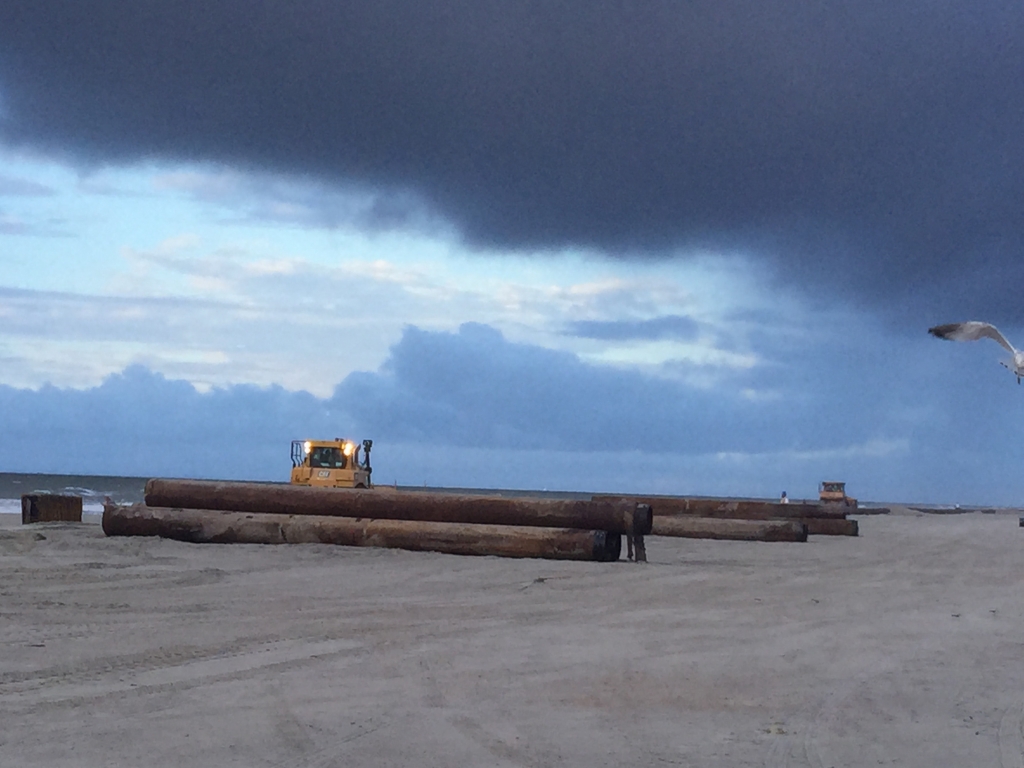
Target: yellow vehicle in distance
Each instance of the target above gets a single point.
(331, 463)
(834, 492)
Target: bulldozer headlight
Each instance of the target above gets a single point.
(307, 446)
(347, 449)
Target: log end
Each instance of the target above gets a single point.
(109, 510)
(643, 519)
(825, 527)
(607, 546)
(789, 530)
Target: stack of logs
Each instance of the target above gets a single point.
(742, 520)
(266, 513)
(465, 524)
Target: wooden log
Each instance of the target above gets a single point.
(206, 526)
(825, 527)
(736, 530)
(276, 498)
(665, 506)
(50, 508)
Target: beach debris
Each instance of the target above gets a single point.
(50, 508)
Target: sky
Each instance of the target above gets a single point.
(688, 248)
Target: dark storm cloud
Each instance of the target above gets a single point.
(872, 143)
(261, 198)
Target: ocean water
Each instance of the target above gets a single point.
(131, 490)
(92, 488)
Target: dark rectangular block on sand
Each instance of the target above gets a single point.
(50, 508)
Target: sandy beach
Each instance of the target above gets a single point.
(900, 647)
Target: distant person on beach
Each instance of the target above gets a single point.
(785, 498)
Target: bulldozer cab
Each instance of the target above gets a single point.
(832, 487)
(834, 491)
(331, 463)
(327, 457)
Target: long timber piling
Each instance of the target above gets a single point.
(670, 506)
(213, 526)
(735, 530)
(820, 519)
(617, 516)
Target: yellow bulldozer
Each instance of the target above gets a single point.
(834, 492)
(331, 463)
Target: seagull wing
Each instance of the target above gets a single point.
(971, 331)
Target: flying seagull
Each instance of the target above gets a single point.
(972, 331)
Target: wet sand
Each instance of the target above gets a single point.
(901, 647)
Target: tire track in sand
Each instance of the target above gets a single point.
(1011, 738)
(184, 666)
(806, 741)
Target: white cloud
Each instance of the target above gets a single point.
(222, 276)
(876, 448)
(246, 312)
(12, 225)
(657, 353)
(20, 187)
